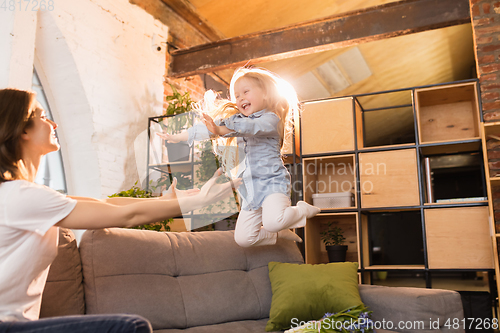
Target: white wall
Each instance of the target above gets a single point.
(103, 77)
(17, 38)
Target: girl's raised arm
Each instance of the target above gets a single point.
(212, 127)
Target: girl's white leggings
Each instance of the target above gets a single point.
(260, 227)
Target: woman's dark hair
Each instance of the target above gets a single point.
(16, 110)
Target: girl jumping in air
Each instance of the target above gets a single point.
(259, 116)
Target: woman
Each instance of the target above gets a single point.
(30, 215)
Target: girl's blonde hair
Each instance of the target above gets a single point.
(280, 98)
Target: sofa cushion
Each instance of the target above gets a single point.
(417, 306)
(179, 280)
(302, 293)
(245, 326)
(63, 293)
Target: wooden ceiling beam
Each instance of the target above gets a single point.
(366, 25)
(188, 12)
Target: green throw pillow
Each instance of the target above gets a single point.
(303, 292)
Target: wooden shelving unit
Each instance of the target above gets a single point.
(491, 131)
(421, 184)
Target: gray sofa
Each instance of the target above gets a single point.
(203, 282)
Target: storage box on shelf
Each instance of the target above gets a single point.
(333, 200)
(332, 175)
(420, 210)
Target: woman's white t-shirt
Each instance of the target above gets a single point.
(28, 245)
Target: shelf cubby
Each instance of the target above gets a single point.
(315, 248)
(392, 240)
(458, 238)
(454, 178)
(385, 119)
(492, 131)
(447, 113)
(492, 137)
(495, 206)
(389, 178)
(327, 126)
(451, 147)
(332, 174)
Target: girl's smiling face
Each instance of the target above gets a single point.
(250, 97)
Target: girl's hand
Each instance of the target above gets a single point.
(172, 192)
(209, 122)
(212, 127)
(173, 138)
(212, 192)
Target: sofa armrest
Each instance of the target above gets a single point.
(434, 310)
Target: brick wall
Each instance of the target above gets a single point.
(181, 34)
(193, 84)
(486, 28)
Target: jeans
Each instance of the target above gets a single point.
(120, 323)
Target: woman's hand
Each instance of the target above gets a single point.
(174, 138)
(172, 192)
(212, 192)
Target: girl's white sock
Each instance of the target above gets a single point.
(308, 210)
(289, 234)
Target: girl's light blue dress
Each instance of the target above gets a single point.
(260, 165)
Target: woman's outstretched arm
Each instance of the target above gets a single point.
(174, 138)
(171, 193)
(96, 214)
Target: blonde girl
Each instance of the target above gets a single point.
(259, 116)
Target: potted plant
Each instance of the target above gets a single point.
(334, 239)
(179, 106)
